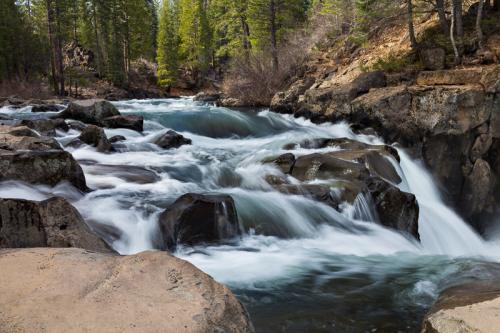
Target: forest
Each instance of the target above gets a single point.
(70, 43)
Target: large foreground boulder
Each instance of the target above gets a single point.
(89, 111)
(469, 308)
(72, 290)
(50, 223)
(197, 219)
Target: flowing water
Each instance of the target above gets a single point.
(301, 265)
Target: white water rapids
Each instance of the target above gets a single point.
(350, 274)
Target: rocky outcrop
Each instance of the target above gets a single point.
(469, 308)
(50, 223)
(356, 169)
(29, 157)
(72, 290)
(172, 139)
(89, 111)
(197, 219)
(449, 117)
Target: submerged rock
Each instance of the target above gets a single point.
(72, 290)
(172, 139)
(197, 219)
(128, 173)
(50, 223)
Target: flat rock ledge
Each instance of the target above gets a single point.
(73, 290)
(470, 308)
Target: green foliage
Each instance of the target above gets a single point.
(168, 43)
(394, 63)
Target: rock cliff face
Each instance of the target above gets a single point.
(72, 290)
(451, 118)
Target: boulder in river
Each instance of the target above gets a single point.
(45, 108)
(48, 167)
(197, 219)
(172, 139)
(117, 138)
(50, 223)
(89, 111)
(28, 157)
(135, 123)
(325, 166)
(95, 136)
(129, 173)
(46, 126)
(73, 290)
(395, 209)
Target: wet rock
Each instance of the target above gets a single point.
(207, 97)
(46, 126)
(376, 162)
(95, 136)
(129, 173)
(471, 307)
(48, 167)
(76, 125)
(315, 192)
(83, 291)
(172, 139)
(231, 102)
(446, 155)
(197, 219)
(89, 111)
(477, 192)
(46, 108)
(285, 162)
(135, 123)
(433, 59)
(117, 138)
(395, 209)
(325, 166)
(50, 223)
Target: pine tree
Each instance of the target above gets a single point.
(168, 43)
(270, 20)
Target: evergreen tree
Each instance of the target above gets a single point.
(270, 20)
(168, 43)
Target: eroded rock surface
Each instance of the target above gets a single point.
(72, 290)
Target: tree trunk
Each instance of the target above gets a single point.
(452, 33)
(53, 63)
(479, 19)
(274, 46)
(496, 5)
(59, 52)
(440, 7)
(411, 27)
(97, 44)
(457, 9)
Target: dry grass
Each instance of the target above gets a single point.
(25, 89)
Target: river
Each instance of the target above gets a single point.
(301, 266)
